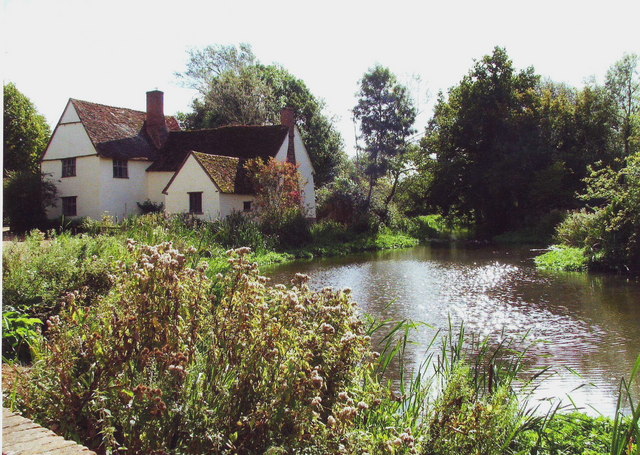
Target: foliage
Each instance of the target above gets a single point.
(25, 196)
(610, 231)
(238, 229)
(26, 132)
(505, 147)
(278, 201)
(18, 333)
(36, 273)
(623, 86)
(236, 89)
(343, 200)
(249, 368)
(563, 258)
(149, 206)
(386, 115)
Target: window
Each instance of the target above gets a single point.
(195, 202)
(69, 206)
(120, 169)
(69, 167)
(246, 206)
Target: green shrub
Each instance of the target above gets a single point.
(19, 332)
(329, 232)
(149, 206)
(290, 228)
(238, 230)
(561, 258)
(39, 271)
(25, 196)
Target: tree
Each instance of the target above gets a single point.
(386, 115)
(278, 201)
(26, 132)
(236, 89)
(623, 86)
(25, 196)
(486, 143)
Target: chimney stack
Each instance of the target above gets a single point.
(288, 119)
(155, 124)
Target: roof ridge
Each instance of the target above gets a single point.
(228, 127)
(115, 107)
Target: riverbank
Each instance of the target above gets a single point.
(286, 368)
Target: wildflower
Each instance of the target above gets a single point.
(347, 413)
(344, 396)
(363, 406)
(327, 328)
(315, 401)
(316, 379)
(331, 421)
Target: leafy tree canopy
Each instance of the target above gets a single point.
(26, 132)
(386, 115)
(236, 89)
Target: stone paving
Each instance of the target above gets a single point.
(21, 436)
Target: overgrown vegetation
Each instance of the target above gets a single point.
(171, 360)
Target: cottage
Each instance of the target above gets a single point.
(105, 160)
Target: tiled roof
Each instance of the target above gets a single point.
(118, 132)
(227, 172)
(242, 142)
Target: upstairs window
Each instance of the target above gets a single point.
(69, 167)
(195, 203)
(120, 169)
(69, 206)
(246, 206)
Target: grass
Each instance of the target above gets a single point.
(563, 258)
(243, 366)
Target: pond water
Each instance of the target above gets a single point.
(590, 323)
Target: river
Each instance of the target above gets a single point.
(589, 323)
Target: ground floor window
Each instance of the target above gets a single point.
(195, 202)
(69, 206)
(246, 206)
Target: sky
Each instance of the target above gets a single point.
(112, 52)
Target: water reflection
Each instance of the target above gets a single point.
(591, 323)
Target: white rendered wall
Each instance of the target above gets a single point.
(119, 196)
(306, 171)
(156, 182)
(69, 139)
(191, 178)
(84, 186)
(230, 203)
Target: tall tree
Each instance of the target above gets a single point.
(623, 85)
(485, 141)
(236, 89)
(26, 132)
(386, 116)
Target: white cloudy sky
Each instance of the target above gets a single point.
(112, 52)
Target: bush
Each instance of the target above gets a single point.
(19, 332)
(26, 194)
(38, 272)
(329, 232)
(150, 207)
(290, 228)
(160, 365)
(238, 230)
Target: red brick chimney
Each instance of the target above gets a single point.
(288, 119)
(155, 123)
